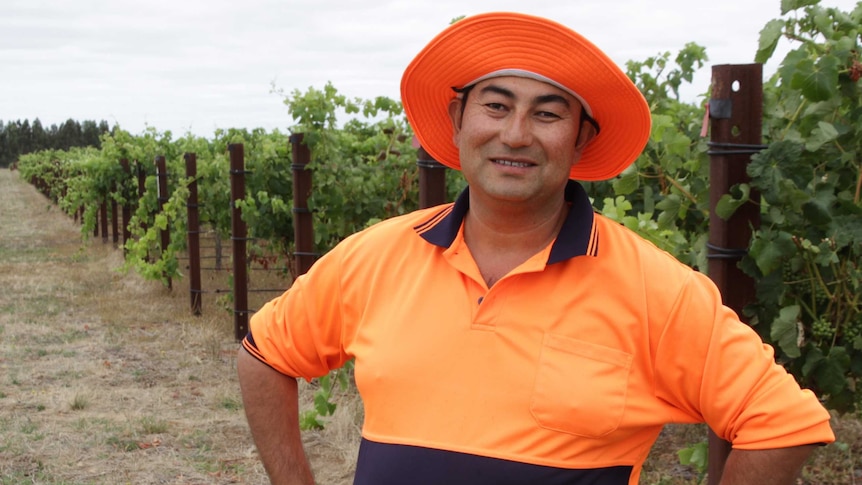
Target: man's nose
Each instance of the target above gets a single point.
(517, 131)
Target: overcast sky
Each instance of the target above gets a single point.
(198, 65)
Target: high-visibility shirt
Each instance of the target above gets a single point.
(564, 371)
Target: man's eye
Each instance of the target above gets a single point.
(495, 106)
(547, 114)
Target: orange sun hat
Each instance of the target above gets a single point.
(503, 43)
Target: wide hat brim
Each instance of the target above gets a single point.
(487, 43)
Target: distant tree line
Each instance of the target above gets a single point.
(20, 137)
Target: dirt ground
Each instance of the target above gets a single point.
(106, 378)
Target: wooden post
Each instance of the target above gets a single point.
(303, 224)
(103, 215)
(239, 238)
(127, 207)
(432, 180)
(142, 186)
(194, 232)
(736, 113)
(115, 222)
(162, 184)
(142, 180)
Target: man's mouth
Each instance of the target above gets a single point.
(511, 163)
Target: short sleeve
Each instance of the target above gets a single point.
(742, 393)
(300, 333)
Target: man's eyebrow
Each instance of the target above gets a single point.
(545, 98)
(491, 88)
(553, 98)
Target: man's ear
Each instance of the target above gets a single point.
(586, 133)
(455, 116)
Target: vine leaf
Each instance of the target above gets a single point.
(785, 331)
(770, 249)
(769, 36)
(728, 204)
(818, 81)
(830, 372)
(627, 183)
(823, 134)
(788, 6)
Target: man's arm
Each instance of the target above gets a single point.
(778, 466)
(272, 409)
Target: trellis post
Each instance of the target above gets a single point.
(736, 118)
(194, 232)
(162, 185)
(432, 180)
(303, 223)
(239, 240)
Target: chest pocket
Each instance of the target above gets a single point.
(580, 387)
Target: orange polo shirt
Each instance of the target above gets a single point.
(564, 371)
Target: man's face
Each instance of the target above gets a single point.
(517, 138)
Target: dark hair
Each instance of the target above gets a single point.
(465, 91)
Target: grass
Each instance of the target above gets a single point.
(79, 403)
(153, 425)
(230, 403)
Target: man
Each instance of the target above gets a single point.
(515, 337)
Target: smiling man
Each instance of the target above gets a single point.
(515, 336)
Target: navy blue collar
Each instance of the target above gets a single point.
(573, 240)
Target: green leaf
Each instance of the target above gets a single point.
(161, 222)
(824, 23)
(322, 404)
(616, 209)
(770, 250)
(848, 232)
(728, 204)
(823, 134)
(695, 455)
(670, 208)
(789, 67)
(816, 212)
(817, 81)
(627, 183)
(661, 125)
(824, 109)
(830, 373)
(769, 36)
(788, 6)
(813, 359)
(308, 420)
(785, 331)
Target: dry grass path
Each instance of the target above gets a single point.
(104, 377)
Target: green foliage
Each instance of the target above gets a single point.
(696, 455)
(806, 256)
(664, 195)
(267, 208)
(364, 171)
(325, 396)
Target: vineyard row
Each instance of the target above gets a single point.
(114, 220)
